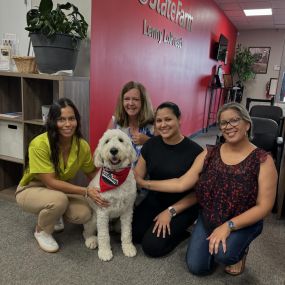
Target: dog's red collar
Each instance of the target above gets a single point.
(109, 179)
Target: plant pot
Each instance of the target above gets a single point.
(56, 53)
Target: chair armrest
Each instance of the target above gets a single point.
(279, 152)
(279, 140)
(281, 125)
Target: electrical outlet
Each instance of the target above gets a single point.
(276, 67)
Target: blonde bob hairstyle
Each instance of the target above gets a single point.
(146, 114)
(242, 112)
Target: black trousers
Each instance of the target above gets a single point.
(143, 224)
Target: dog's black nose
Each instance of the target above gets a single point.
(113, 151)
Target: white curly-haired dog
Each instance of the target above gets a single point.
(114, 155)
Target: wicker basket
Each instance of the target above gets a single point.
(25, 64)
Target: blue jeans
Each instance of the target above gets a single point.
(201, 262)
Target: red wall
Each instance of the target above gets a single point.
(120, 53)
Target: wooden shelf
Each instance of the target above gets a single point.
(17, 119)
(39, 122)
(43, 76)
(27, 93)
(12, 159)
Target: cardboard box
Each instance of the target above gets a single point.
(11, 139)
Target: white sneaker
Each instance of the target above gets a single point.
(59, 226)
(46, 241)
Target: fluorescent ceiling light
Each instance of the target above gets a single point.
(258, 12)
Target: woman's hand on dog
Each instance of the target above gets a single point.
(95, 195)
(162, 224)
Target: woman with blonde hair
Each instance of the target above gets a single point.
(134, 114)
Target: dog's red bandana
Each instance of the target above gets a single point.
(109, 179)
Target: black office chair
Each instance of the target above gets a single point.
(265, 135)
(271, 112)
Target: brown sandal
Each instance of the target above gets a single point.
(228, 269)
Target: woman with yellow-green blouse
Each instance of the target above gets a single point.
(53, 159)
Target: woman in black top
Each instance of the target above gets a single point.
(161, 220)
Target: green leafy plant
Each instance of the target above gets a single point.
(242, 65)
(50, 22)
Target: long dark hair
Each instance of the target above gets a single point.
(52, 130)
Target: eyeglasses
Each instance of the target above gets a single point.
(233, 122)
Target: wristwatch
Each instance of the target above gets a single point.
(231, 225)
(172, 211)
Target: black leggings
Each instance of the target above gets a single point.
(143, 224)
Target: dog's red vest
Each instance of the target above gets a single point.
(109, 179)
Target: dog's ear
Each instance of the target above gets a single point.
(98, 160)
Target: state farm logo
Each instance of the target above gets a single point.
(172, 11)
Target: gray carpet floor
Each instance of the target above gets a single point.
(23, 262)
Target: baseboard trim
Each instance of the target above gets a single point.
(201, 131)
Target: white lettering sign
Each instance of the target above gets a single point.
(172, 11)
(161, 36)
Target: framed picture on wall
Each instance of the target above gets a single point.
(261, 58)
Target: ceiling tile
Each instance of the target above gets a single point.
(280, 26)
(230, 6)
(278, 4)
(278, 12)
(279, 22)
(234, 11)
(256, 5)
(260, 22)
(252, 1)
(279, 18)
(225, 1)
(239, 19)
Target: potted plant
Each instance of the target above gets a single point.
(56, 35)
(242, 68)
(242, 65)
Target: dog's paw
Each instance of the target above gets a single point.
(129, 249)
(91, 242)
(105, 254)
